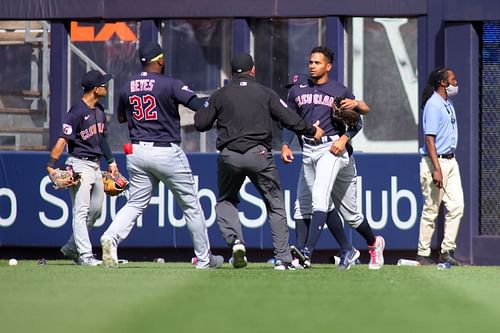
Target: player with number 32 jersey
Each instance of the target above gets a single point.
(152, 100)
(149, 103)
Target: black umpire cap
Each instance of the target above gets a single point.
(94, 79)
(297, 78)
(241, 63)
(150, 51)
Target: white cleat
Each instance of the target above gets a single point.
(376, 252)
(89, 261)
(109, 252)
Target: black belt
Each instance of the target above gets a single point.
(447, 156)
(312, 142)
(86, 158)
(153, 143)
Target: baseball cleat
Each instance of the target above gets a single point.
(335, 260)
(216, 261)
(69, 252)
(376, 252)
(89, 261)
(304, 259)
(239, 258)
(283, 266)
(109, 252)
(347, 258)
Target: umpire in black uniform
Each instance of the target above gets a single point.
(245, 110)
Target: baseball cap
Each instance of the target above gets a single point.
(296, 78)
(95, 78)
(150, 51)
(242, 62)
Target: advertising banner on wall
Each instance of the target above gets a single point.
(33, 213)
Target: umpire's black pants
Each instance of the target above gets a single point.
(258, 165)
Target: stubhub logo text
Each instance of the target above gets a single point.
(391, 205)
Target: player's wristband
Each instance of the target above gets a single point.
(285, 143)
(111, 161)
(52, 163)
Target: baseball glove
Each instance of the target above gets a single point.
(349, 117)
(62, 179)
(114, 185)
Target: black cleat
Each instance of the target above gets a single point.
(239, 259)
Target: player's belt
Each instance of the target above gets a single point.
(152, 143)
(324, 139)
(87, 158)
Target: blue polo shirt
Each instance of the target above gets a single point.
(440, 119)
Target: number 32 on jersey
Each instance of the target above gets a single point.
(144, 107)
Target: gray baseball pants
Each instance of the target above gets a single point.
(87, 198)
(147, 166)
(258, 165)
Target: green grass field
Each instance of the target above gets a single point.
(174, 297)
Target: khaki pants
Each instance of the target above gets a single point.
(453, 198)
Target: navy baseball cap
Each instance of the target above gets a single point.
(94, 79)
(296, 78)
(150, 51)
(242, 62)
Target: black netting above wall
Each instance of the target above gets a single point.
(490, 129)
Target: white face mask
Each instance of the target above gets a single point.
(452, 90)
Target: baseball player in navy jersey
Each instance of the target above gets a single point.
(149, 104)
(328, 168)
(84, 130)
